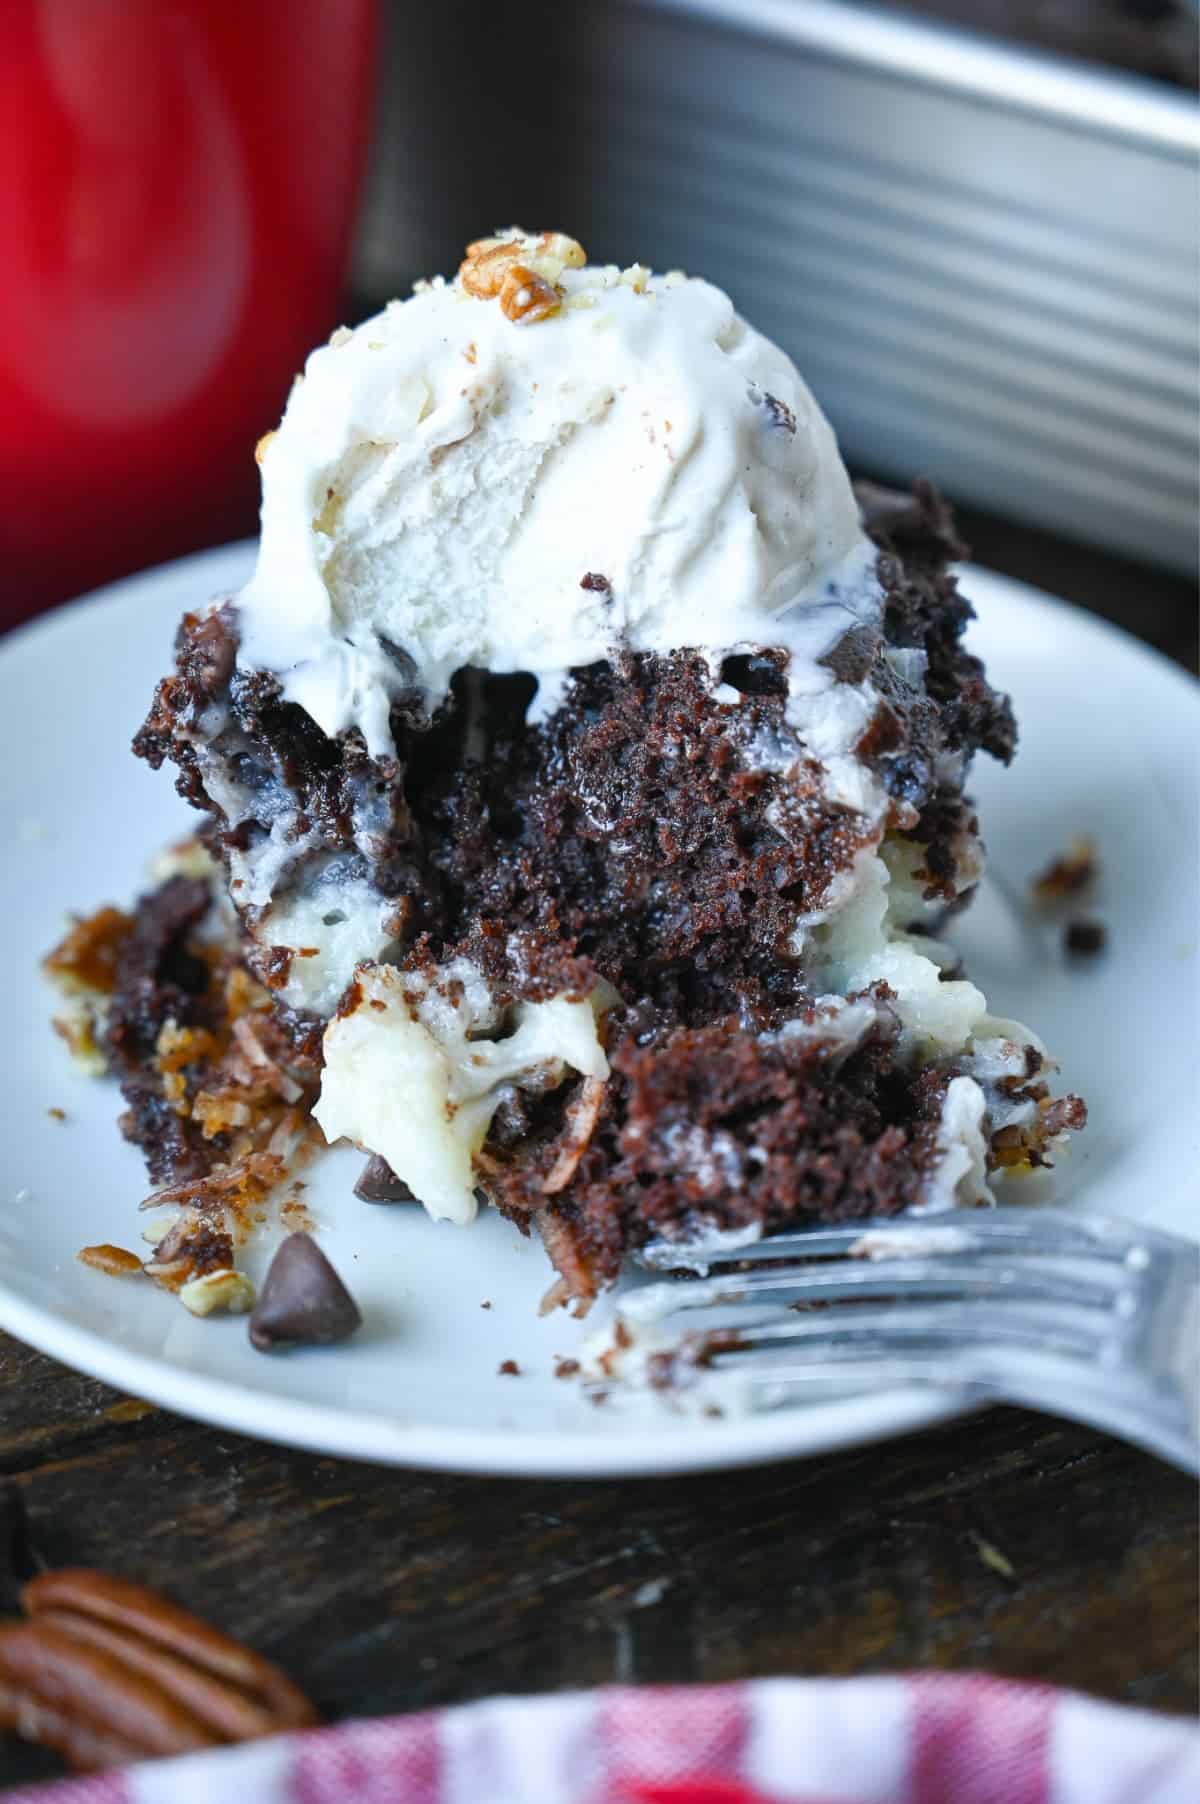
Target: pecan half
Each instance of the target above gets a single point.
(57, 1690)
(106, 1671)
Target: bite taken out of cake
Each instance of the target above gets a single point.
(583, 768)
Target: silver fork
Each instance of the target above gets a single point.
(1080, 1316)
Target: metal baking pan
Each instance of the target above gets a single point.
(983, 259)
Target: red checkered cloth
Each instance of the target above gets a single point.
(926, 1739)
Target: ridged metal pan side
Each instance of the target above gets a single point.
(962, 62)
(1003, 298)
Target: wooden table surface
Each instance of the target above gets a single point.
(1006, 1542)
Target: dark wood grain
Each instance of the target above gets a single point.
(1007, 1542)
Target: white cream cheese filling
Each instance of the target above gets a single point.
(330, 928)
(415, 1071)
(960, 1177)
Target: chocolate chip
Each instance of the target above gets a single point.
(508, 1368)
(302, 1302)
(378, 1183)
(1084, 939)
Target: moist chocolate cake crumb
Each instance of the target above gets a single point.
(216, 1100)
(195, 1246)
(704, 1350)
(717, 1127)
(158, 979)
(1085, 939)
(534, 856)
(653, 831)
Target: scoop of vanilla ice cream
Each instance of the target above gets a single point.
(453, 486)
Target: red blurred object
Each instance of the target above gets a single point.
(178, 181)
(699, 1791)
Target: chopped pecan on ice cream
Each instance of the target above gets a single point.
(521, 270)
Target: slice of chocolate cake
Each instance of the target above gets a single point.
(586, 761)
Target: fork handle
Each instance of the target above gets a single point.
(1152, 1416)
(1158, 1417)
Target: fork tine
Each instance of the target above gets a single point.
(846, 1334)
(1032, 1233)
(848, 1279)
(1080, 1315)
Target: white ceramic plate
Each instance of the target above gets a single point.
(1109, 734)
